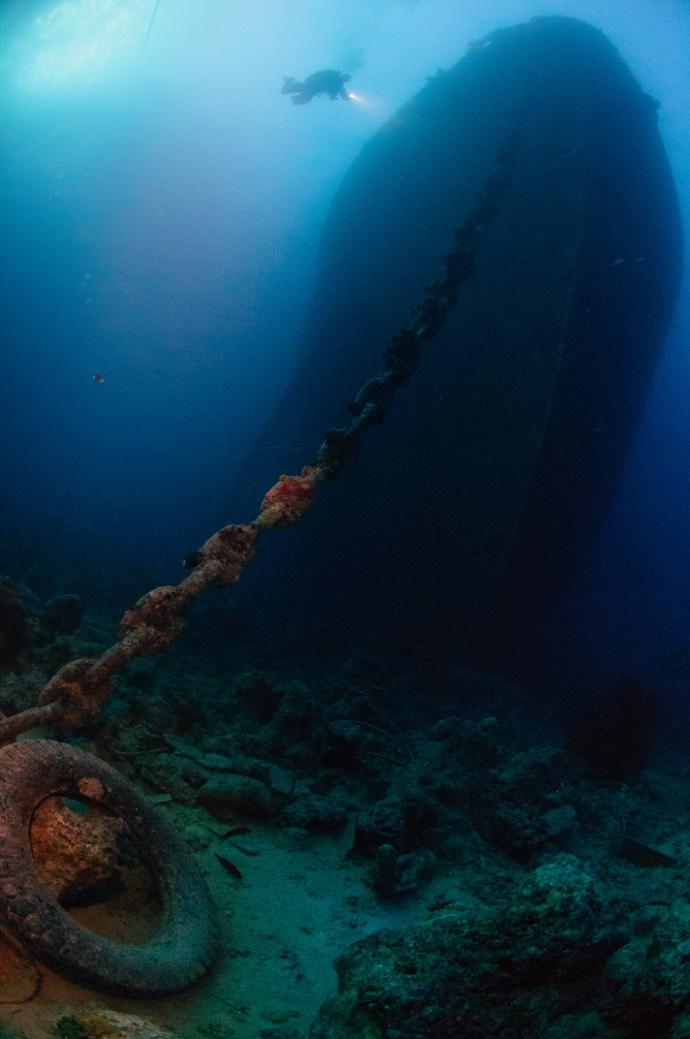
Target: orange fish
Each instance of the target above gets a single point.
(98, 378)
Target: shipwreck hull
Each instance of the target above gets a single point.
(467, 506)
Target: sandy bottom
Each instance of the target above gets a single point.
(299, 903)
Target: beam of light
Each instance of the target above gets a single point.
(356, 97)
(77, 42)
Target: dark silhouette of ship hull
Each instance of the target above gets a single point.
(465, 512)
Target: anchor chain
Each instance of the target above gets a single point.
(78, 691)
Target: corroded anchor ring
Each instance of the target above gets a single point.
(183, 948)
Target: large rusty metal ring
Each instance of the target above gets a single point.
(185, 945)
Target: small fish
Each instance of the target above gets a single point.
(236, 831)
(98, 378)
(228, 866)
(643, 854)
(192, 560)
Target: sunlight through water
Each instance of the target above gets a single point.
(73, 43)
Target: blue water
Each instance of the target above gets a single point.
(161, 213)
(501, 827)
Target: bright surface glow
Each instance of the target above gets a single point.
(77, 42)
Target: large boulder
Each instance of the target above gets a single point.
(481, 974)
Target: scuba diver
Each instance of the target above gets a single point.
(325, 81)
